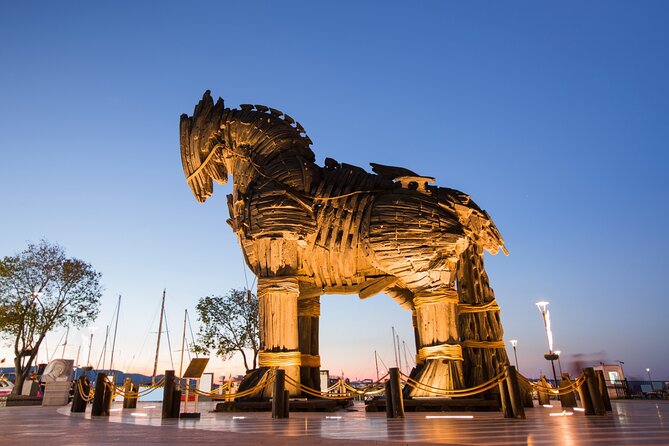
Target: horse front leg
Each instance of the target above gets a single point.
(277, 298)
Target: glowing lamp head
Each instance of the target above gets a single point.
(514, 342)
(542, 306)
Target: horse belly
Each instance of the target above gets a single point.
(411, 233)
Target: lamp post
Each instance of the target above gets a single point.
(622, 372)
(649, 378)
(558, 353)
(550, 356)
(514, 343)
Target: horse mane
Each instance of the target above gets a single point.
(267, 132)
(264, 132)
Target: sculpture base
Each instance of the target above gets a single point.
(296, 405)
(430, 404)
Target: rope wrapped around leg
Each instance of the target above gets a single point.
(279, 359)
(452, 352)
(435, 297)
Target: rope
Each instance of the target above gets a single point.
(455, 392)
(434, 297)
(441, 351)
(283, 285)
(482, 344)
(80, 388)
(266, 381)
(258, 169)
(279, 359)
(375, 391)
(371, 389)
(468, 308)
(205, 162)
(318, 393)
(569, 388)
(131, 394)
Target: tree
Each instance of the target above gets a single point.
(41, 289)
(229, 325)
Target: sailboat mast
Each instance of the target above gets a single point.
(67, 333)
(397, 363)
(160, 331)
(399, 355)
(104, 349)
(118, 310)
(183, 342)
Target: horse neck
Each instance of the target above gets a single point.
(253, 139)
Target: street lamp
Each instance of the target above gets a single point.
(514, 343)
(649, 378)
(558, 353)
(622, 372)
(550, 356)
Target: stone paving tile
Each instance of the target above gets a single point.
(631, 422)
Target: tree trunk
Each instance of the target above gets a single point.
(246, 363)
(21, 373)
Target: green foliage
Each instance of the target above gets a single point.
(229, 325)
(41, 289)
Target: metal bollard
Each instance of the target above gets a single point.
(176, 404)
(604, 391)
(98, 406)
(544, 398)
(568, 400)
(505, 399)
(130, 402)
(593, 389)
(79, 402)
(389, 400)
(586, 401)
(108, 398)
(279, 394)
(514, 392)
(396, 391)
(168, 395)
(286, 403)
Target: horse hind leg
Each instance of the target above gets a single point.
(308, 318)
(439, 356)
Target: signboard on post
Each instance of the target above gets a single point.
(196, 368)
(194, 371)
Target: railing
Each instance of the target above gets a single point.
(627, 389)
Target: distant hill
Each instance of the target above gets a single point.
(119, 376)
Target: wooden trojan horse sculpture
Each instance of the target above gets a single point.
(307, 230)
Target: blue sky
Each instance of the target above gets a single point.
(553, 116)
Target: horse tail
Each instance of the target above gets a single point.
(476, 222)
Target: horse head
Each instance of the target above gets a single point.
(201, 148)
(217, 140)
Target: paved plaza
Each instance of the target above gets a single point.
(631, 422)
